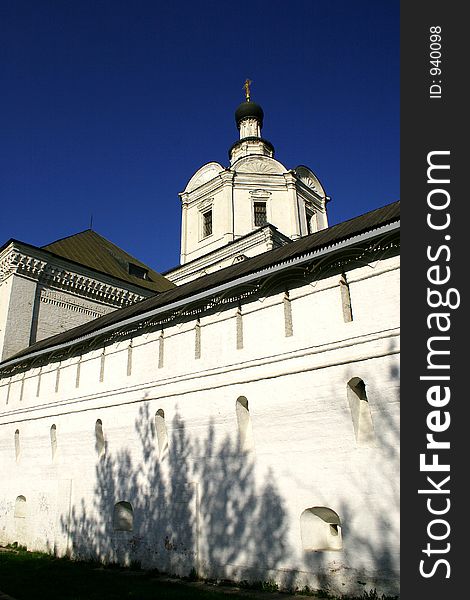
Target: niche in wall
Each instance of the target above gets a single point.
(17, 445)
(360, 412)
(53, 434)
(162, 433)
(320, 529)
(123, 517)
(100, 444)
(20, 507)
(245, 430)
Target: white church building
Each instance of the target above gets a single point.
(236, 417)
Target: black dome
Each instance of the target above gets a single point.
(249, 109)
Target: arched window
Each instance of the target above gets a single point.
(245, 430)
(53, 433)
(360, 412)
(20, 507)
(99, 439)
(320, 529)
(162, 434)
(17, 445)
(123, 517)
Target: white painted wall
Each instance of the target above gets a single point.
(208, 504)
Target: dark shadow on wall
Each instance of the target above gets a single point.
(195, 509)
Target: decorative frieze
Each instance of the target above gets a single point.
(17, 262)
(70, 303)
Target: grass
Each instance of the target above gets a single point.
(27, 575)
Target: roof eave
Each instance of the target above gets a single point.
(256, 275)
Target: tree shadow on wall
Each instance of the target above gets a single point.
(196, 508)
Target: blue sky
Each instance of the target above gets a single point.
(109, 106)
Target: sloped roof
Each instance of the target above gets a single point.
(325, 238)
(92, 250)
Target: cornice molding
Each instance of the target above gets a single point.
(16, 262)
(231, 251)
(64, 300)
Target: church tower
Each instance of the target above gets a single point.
(254, 205)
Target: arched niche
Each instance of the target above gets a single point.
(162, 433)
(53, 436)
(100, 444)
(245, 430)
(320, 529)
(360, 412)
(20, 507)
(123, 516)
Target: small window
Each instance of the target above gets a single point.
(20, 507)
(100, 445)
(53, 434)
(123, 517)
(320, 529)
(138, 271)
(207, 223)
(260, 214)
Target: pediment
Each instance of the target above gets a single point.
(308, 178)
(203, 175)
(259, 164)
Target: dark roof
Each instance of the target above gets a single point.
(315, 241)
(92, 250)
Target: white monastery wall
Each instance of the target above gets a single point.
(211, 504)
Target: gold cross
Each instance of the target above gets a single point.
(246, 87)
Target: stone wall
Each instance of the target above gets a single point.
(211, 485)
